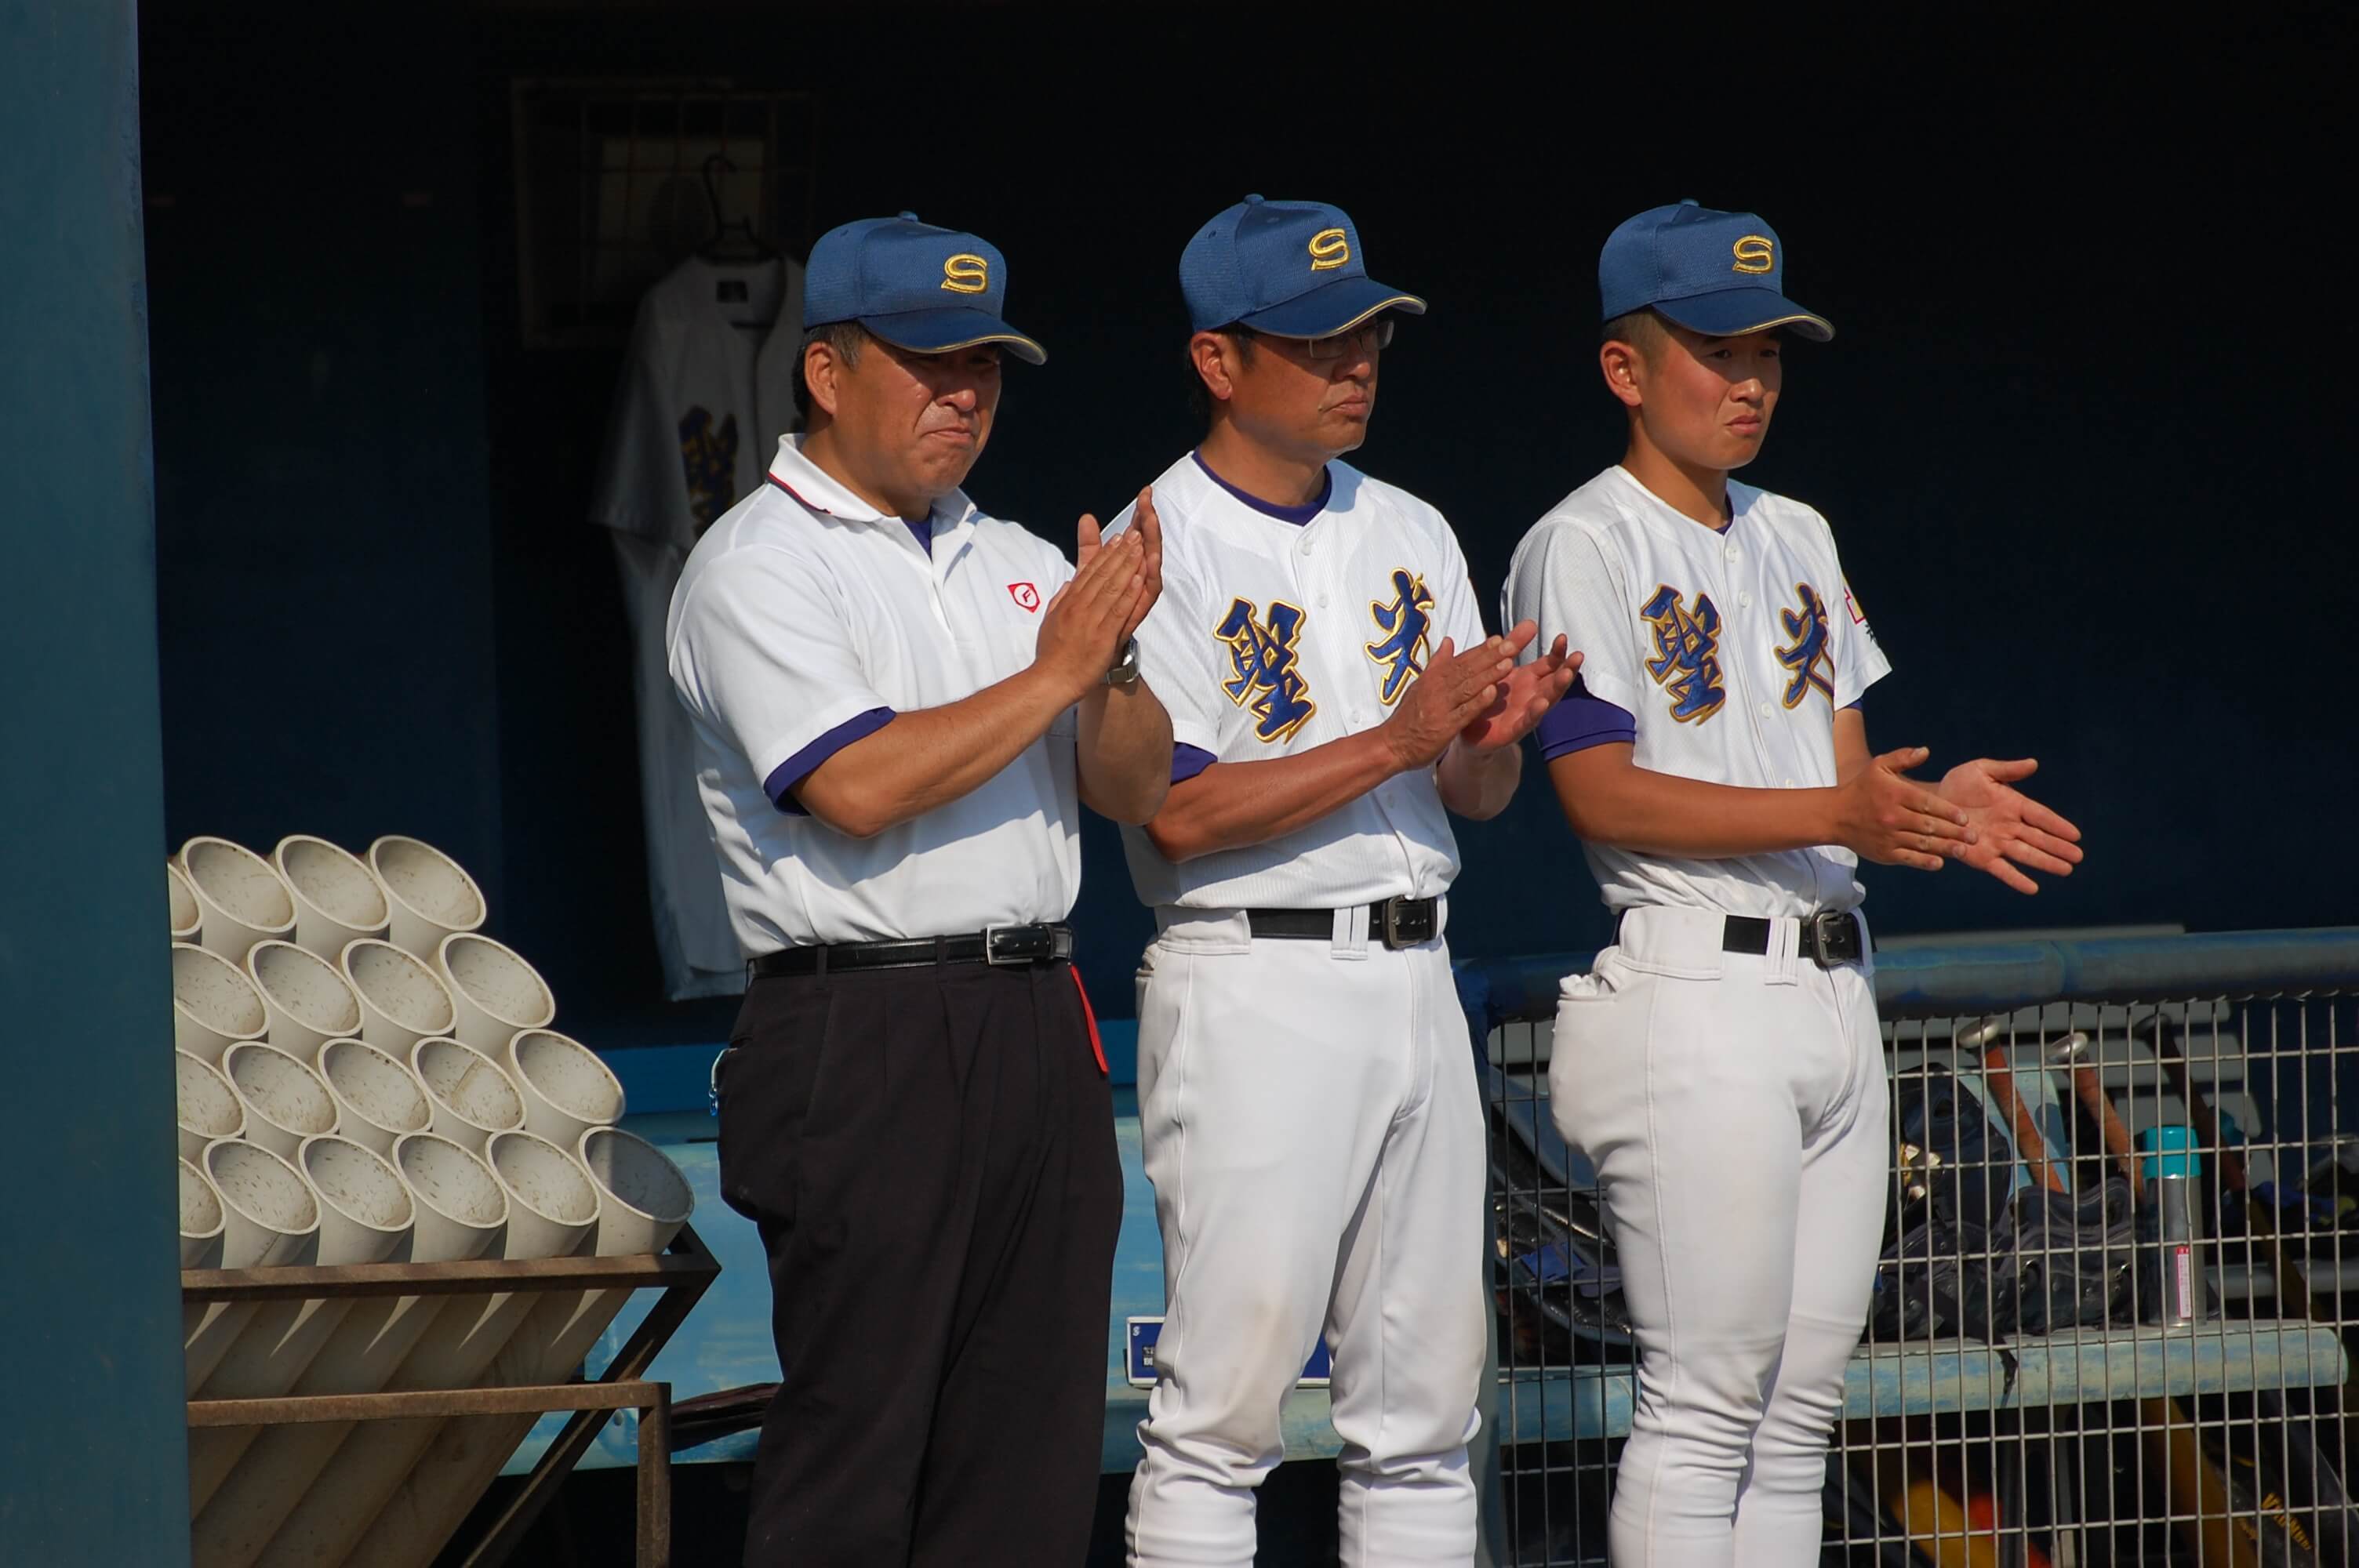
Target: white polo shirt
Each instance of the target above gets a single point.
(803, 620)
(1274, 636)
(1732, 651)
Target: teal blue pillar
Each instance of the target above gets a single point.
(93, 1448)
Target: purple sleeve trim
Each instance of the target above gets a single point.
(1579, 721)
(1856, 705)
(1188, 760)
(804, 764)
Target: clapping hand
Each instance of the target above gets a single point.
(2010, 828)
(1525, 697)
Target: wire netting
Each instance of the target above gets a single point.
(2076, 1357)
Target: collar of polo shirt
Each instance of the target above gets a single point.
(822, 492)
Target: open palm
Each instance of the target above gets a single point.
(2010, 828)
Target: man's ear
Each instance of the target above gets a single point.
(1215, 358)
(821, 369)
(1625, 370)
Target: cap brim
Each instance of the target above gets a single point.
(1338, 307)
(939, 331)
(1732, 312)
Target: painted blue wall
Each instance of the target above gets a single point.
(93, 1455)
(323, 516)
(2089, 498)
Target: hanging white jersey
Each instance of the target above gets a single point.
(1274, 636)
(703, 400)
(706, 394)
(1732, 650)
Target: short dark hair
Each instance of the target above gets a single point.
(847, 337)
(1200, 397)
(1642, 329)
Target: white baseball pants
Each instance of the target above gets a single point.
(1736, 1111)
(1312, 1127)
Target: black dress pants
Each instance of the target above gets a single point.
(930, 1154)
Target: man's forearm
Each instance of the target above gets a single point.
(1479, 784)
(1123, 754)
(1629, 807)
(932, 756)
(1230, 804)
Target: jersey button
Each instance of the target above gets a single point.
(1744, 599)
(1323, 601)
(1306, 547)
(1789, 784)
(1768, 711)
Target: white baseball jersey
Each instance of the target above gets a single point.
(1280, 630)
(701, 401)
(1274, 636)
(1732, 650)
(805, 619)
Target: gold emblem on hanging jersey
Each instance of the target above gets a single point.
(1755, 253)
(1329, 248)
(966, 273)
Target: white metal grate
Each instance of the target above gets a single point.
(2019, 1400)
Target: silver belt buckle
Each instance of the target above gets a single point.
(1397, 936)
(1819, 925)
(991, 955)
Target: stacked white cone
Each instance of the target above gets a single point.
(362, 1076)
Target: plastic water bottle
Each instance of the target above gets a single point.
(2170, 1168)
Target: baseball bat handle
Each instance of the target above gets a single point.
(2030, 1143)
(2199, 1108)
(2089, 1088)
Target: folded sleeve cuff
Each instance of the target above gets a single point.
(783, 778)
(1188, 760)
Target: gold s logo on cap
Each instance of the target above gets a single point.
(1329, 248)
(1755, 253)
(966, 273)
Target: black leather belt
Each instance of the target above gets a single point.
(1829, 937)
(997, 945)
(1400, 922)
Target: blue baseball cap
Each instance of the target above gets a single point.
(1291, 268)
(917, 286)
(1721, 274)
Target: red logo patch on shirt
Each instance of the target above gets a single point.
(1026, 596)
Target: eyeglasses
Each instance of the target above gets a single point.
(1377, 335)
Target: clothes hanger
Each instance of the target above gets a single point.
(734, 240)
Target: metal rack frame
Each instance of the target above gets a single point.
(683, 1272)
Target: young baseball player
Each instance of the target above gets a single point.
(1713, 760)
(1306, 1096)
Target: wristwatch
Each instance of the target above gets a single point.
(1125, 672)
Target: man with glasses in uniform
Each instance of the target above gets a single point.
(1307, 1098)
(900, 703)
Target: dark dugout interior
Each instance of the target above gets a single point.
(2081, 435)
